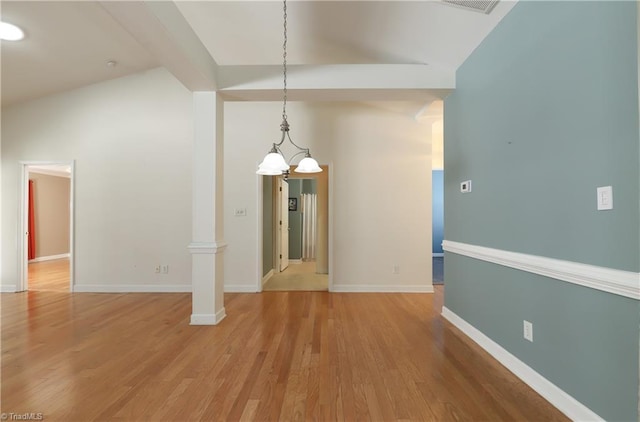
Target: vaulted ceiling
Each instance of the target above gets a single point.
(363, 50)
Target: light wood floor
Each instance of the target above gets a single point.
(298, 277)
(49, 275)
(277, 356)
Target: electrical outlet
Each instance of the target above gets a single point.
(396, 269)
(158, 268)
(240, 212)
(528, 330)
(164, 269)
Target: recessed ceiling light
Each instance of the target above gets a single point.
(9, 32)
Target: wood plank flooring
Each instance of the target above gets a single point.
(300, 276)
(49, 275)
(277, 356)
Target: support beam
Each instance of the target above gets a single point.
(417, 95)
(207, 246)
(164, 32)
(369, 81)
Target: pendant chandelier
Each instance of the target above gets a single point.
(274, 163)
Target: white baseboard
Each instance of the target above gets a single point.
(267, 276)
(295, 261)
(7, 288)
(559, 398)
(132, 288)
(438, 255)
(382, 288)
(50, 257)
(240, 288)
(208, 319)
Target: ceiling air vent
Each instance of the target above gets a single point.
(482, 6)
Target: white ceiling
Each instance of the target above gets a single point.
(68, 44)
(339, 32)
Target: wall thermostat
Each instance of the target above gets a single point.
(465, 186)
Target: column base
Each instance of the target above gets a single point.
(208, 319)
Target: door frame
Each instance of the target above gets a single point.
(259, 225)
(23, 226)
(282, 232)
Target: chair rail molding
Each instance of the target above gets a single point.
(619, 282)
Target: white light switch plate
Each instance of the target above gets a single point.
(528, 330)
(240, 212)
(465, 186)
(605, 198)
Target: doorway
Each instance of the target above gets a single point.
(286, 263)
(46, 235)
(302, 221)
(437, 190)
(437, 230)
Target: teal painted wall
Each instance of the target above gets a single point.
(437, 211)
(545, 110)
(309, 186)
(296, 188)
(295, 221)
(267, 224)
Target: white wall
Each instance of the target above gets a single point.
(132, 141)
(381, 163)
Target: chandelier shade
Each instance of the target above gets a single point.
(274, 163)
(308, 165)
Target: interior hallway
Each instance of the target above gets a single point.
(298, 276)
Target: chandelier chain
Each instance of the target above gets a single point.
(274, 163)
(284, 64)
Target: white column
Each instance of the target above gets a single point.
(207, 246)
